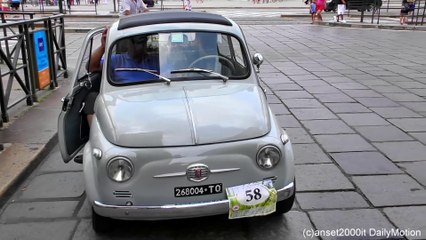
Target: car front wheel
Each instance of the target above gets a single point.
(100, 223)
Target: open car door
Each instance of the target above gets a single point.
(73, 128)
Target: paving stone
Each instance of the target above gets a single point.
(309, 153)
(85, 210)
(330, 200)
(365, 163)
(388, 89)
(391, 190)
(299, 135)
(419, 91)
(410, 124)
(55, 185)
(312, 113)
(316, 82)
(272, 99)
(343, 143)
(327, 127)
(38, 230)
(337, 79)
(415, 106)
(302, 103)
(347, 108)
(294, 221)
(410, 219)
(395, 112)
(54, 162)
(293, 94)
(383, 133)
(38, 210)
(300, 78)
(363, 219)
(321, 177)
(279, 109)
(362, 93)
(377, 102)
(284, 86)
(371, 82)
(403, 97)
(421, 136)
(416, 170)
(362, 119)
(403, 151)
(349, 86)
(334, 97)
(288, 121)
(321, 89)
(325, 74)
(410, 84)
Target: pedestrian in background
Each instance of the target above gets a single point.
(341, 8)
(187, 5)
(14, 4)
(130, 7)
(313, 10)
(407, 6)
(320, 8)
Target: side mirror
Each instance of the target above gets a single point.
(257, 60)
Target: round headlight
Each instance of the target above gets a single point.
(268, 157)
(120, 169)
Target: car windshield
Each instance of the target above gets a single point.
(177, 56)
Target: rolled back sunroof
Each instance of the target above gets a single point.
(171, 17)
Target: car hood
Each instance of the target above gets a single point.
(160, 115)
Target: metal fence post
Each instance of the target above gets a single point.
(32, 62)
(52, 62)
(24, 53)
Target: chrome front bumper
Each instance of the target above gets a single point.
(175, 211)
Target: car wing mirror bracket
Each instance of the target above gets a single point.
(257, 61)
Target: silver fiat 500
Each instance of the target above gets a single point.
(181, 127)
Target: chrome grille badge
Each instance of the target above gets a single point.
(197, 172)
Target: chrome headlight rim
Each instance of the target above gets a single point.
(274, 163)
(118, 158)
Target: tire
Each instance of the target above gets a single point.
(100, 223)
(286, 205)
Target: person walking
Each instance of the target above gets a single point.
(320, 8)
(407, 6)
(313, 10)
(187, 5)
(130, 7)
(341, 8)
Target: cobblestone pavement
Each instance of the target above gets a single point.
(354, 104)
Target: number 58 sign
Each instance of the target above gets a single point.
(254, 199)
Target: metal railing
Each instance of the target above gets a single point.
(392, 8)
(18, 60)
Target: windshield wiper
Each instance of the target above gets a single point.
(200, 70)
(150, 71)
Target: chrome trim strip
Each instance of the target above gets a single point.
(191, 116)
(174, 211)
(179, 174)
(224, 170)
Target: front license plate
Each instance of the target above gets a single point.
(198, 190)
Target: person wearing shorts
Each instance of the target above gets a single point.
(320, 8)
(341, 8)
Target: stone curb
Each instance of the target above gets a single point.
(377, 26)
(14, 170)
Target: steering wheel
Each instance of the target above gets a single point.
(226, 62)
